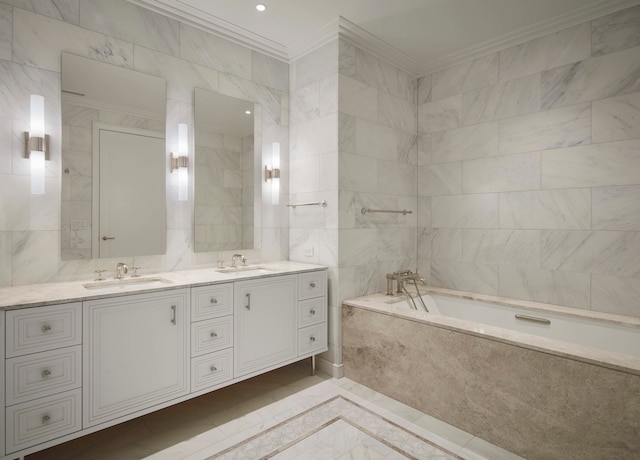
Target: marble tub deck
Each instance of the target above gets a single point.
(284, 414)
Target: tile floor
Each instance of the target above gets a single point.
(284, 414)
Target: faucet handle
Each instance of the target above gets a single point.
(135, 271)
(220, 263)
(99, 276)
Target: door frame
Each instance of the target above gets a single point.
(96, 127)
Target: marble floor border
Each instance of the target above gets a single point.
(319, 417)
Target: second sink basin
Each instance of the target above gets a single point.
(249, 270)
(145, 281)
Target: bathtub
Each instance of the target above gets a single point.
(542, 381)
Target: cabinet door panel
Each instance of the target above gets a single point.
(265, 323)
(136, 353)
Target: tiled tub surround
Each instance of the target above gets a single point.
(529, 170)
(539, 398)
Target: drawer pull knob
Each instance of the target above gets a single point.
(213, 334)
(214, 368)
(312, 339)
(46, 419)
(46, 373)
(214, 300)
(312, 284)
(312, 312)
(46, 328)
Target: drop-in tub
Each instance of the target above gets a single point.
(539, 380)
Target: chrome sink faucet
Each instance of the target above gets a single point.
(238, 256)
(121, 269)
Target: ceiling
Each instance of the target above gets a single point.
(424, 35)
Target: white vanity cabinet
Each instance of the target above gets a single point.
(136, 350)
(312, 313)
(43, 374)
(211, 336)
(266, 319)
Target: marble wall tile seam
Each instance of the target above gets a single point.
(616, 31)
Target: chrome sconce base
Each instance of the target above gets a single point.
(270, 174)
(36, 144)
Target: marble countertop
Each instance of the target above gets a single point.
(37, 295)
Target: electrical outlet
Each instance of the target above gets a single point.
(308, 252)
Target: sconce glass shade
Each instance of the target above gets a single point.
(36, 144)
(275, 181)
(183, 153)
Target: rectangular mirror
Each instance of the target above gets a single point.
(114, 161)
(227, 215)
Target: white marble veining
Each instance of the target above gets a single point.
(504, 247)
(473, 277)
(551, 129)
(6, 32)
(132, 23)
(613, 163)
(358, 99)
(617, 118)
(592, 79)
(182, 77)
(314, 137)
(6, 136)
(211, 51)
(550, 209)
(470, 142)
(615, 294)
(316, 65)
(566, 46)
(397, 179)
(269, 71)
(507, 99)
(465, 211)
(616, 208)
(375, 140)
(37, 41)
(603, 252)
(616, 31)
(63, 10)
(440, 115)
(269, 99)
(556, 287)
(446, 243)
(424, 89)
(502, 174)
(358, 173)
(465, 77)
(397, 113)
(440, 179)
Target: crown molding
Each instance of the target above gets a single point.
(195, 17)
(341, 27)
(352, 33)
(520, 36)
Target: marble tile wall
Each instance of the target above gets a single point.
(529, 169)
(32, 36)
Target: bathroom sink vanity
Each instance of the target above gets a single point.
(100, 357)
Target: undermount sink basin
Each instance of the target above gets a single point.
(250, 270)
(146, 281)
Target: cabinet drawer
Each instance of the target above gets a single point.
(312, 311)
(212, 369)
(312, 339)
(312, 284)
(42, 420)
(209, 302)
(211, 335)
(31, 330)
(43, 374)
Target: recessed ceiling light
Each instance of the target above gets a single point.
(248, 112)
(261, 7)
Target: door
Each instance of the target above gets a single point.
(265, 323)
(131, 193)
(136, 353)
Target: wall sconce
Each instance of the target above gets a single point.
(180, 161)
(36, 145)
(273, 174)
